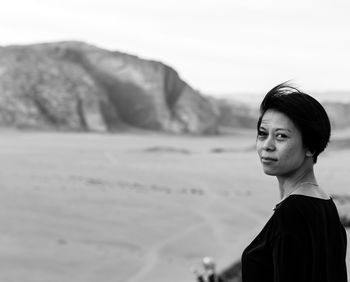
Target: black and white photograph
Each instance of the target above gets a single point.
(174, 141)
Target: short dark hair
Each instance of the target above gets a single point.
(307, 114)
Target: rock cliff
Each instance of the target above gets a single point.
(76, 86)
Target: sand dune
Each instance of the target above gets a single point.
(89, 207)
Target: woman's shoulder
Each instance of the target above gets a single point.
(298, 211)
(302, 203)
(289, 210)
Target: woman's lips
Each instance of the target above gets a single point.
(268, 160)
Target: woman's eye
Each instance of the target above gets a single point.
(281, 136)
(261, 134)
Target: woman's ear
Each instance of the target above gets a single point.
(309, 154)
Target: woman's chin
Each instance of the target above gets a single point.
(269, 171)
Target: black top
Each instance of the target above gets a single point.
(303, 241)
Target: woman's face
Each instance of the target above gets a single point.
(279, 145)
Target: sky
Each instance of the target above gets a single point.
(220, 47)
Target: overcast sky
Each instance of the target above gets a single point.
(217, 46)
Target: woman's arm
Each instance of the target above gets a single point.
(289, 255)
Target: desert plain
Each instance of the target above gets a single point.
(132, 207)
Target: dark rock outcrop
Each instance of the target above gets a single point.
(76, 86)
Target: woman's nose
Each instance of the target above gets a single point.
(269, 144)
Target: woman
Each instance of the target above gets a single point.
(304, 240)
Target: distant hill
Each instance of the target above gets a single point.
(80, 87)
(339, 114)
(76, 86)
(243, 110)
(233, 114)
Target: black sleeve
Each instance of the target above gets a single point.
(289, 258)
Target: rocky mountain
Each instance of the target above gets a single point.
(76, 86)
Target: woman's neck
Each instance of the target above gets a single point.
(289, 184)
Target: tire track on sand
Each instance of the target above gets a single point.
(242, 238)
(153, 254)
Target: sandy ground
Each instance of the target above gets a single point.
(131, 208)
